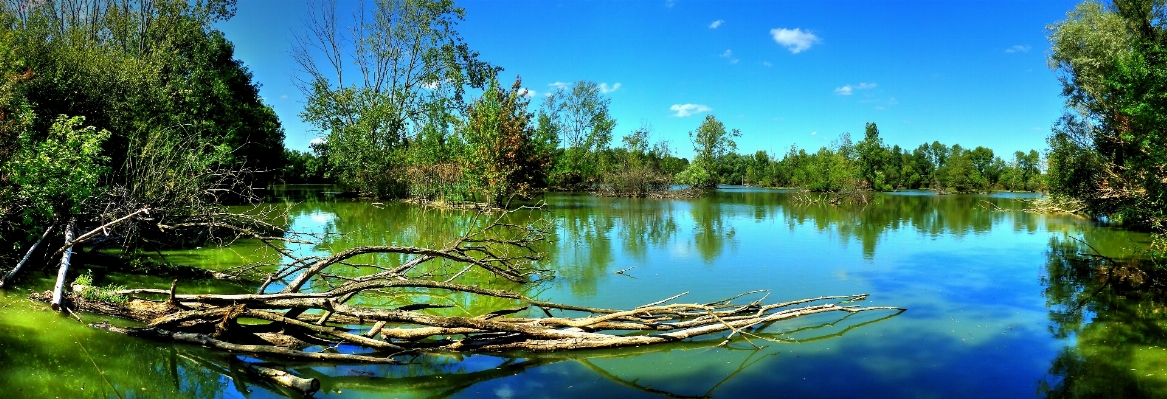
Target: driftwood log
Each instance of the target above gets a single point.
(309, 307)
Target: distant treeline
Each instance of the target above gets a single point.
(871, 164)
(635, 168)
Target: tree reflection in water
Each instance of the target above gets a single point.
(1113, 305)
(445, 375)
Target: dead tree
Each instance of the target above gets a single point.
(315, 306)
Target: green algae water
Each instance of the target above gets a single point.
(1001, 303)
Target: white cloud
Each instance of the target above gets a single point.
(767, 63)
(284, 97)
(814, 133)
(1018, 49)
(557, 86)
(847, 90)
(528, 92)
(670, 3)
(892, 101)
(729, 54)
(683, 110)
(716, 23)
(796, 40)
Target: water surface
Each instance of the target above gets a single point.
(1001, 304)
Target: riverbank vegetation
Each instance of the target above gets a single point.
(130, 125)
(1108, 153)
(110, 109)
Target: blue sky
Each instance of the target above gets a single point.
(784, 73)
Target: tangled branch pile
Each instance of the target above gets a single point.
(319, 313)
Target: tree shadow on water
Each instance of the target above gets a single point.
(1115, 309)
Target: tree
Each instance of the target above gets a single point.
(711, 143)
(960, 173)
(873, 156)
(58, 175)
(759, 172)
(182, 115)
(136, 67)
(1108, 150)
(409, 59)
(504, 159)
(580, 115)
(638, 169)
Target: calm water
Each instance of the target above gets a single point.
(1000, 303)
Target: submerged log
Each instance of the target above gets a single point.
(63, 271)
(206, 340)
(306, 386)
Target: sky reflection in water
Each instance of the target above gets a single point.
(974, 272)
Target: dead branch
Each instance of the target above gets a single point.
(11, 274)
(324, 306)
(70, 242)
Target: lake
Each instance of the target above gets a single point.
(1000, 303)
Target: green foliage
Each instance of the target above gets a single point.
(504, 158)
(873, 155)
(872, 165)
(1108, 151)
(132, 67)
(412, 68)
(831, 170)
(100, 294)
(306, 167)
(16, 118)
(638, 169)
(57, 175)
(16, 115)
(711, 143)
(579, 115)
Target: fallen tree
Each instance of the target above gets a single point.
(316, 302)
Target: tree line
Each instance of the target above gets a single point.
(872, 165)
(401, 125)
(635, 168)
(110, 106)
